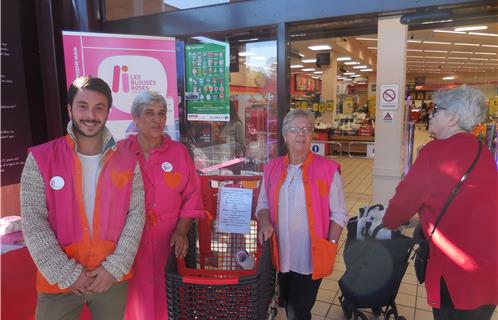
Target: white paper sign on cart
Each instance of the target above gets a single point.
(234, 210)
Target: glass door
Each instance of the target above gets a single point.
(229, 121)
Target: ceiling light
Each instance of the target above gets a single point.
(470, 28)
(448, 31)
(454, 62)
(308, 60)
(343, 58)
(360, 67)
(459, 58)
(246, 54)
(437, 62)
(308, 69)
(462, 52)
(479, 59)
(439, 21)
(351, 63)
(372, 48)
(347, 79)
(315, 77)
(436, 51)
(436, 42)
(414, 56)
(348, 73)
(431, 57)
(414, 50)
(300, 54)
(366, 70)
(474, 63)
(431, 16)
(295, 66)
(320, 47)
(449, 78)
(466, 44)
(414, 41)
(366, 39)
(489, 45)
(483, 34)
(298, 35)
(247, 40)
(318, 72)
(488, 53)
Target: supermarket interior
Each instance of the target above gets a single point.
(229, 72)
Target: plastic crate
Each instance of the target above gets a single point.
(209, 283)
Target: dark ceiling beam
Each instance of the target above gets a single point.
(250, 14)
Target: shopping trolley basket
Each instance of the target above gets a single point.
(210, 283)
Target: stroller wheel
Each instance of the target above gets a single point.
(377, 311)
(390, 315)
(346, 307)
(359, 315)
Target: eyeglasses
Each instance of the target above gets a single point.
(436, 109)
(296, 130)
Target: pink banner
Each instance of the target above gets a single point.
(130, 65)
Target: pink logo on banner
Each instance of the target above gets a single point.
(130, 75)
(124, 77)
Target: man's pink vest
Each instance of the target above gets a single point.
(61, 170)
(318, 174)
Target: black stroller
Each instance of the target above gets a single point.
(374, 270)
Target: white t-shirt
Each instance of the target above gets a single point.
(293, 231)
(90, 168)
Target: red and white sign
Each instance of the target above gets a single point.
(130, 64)
(389, 97)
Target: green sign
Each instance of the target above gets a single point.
(207, 82)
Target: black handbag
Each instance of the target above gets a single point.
(422, 252)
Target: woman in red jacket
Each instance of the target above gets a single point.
(462, 273)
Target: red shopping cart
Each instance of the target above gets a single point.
(210, 283)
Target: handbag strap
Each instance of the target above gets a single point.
(457, 187)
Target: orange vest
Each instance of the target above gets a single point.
(318, 173)
(61, 170)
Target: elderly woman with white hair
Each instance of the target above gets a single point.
(172, 198)
(301, 209)
(461, 278)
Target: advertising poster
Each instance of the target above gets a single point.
(207, 82)
(130, 64)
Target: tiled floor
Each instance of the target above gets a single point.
(411, 298)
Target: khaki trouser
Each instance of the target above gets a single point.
(108, 305)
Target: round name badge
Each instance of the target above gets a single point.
(167, 167)
(57, 183)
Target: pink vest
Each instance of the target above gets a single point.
(318, 174)
(61, 170)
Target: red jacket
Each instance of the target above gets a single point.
(464, 248)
